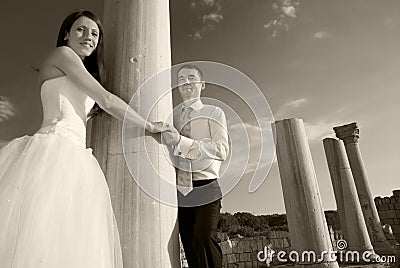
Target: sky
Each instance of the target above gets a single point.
(329, 62)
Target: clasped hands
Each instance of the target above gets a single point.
(170, 134)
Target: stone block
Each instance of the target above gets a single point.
(253, 256)
(246, 257)
(259, 244)
(397, 211)
(250, 256)
(393, 200)
(279, 243)
(397, 206)
(389, 221)
(390, 214)
(378, 200)
(235, 245)
(241, 265)
(391, 206)
(397, 236)
(253, 245)
(386, 200)
(239, 247)
(255, 263)
(382, 207)
(283, 234)
(396, 228)
(226, 247)
(229, 247)
(246, 245)
(272, 234)
(382, 214)
(396, 221)
(286, 243)
(396, 193)
(243, 257)
(265, 241)
(231, 258)
(224, 260)
(249, 264)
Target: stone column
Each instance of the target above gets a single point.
(350, 214)
(307, 225)
(137, 42)
(350, 135)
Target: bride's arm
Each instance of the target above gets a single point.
(66, 60)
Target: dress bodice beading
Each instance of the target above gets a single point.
(65, 109)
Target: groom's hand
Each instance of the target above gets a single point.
(171, 136)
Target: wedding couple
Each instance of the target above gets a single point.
(55, 208)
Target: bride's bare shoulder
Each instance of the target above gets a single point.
(48, 69)
(60, 54)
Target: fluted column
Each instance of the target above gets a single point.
(350, 214)
(350, 134)
(137, 42)
(307, 225)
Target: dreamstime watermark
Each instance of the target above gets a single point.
(310, 256)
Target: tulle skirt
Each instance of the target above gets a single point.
(55, 207)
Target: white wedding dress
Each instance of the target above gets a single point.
(55, 207)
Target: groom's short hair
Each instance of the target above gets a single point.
(193, 67)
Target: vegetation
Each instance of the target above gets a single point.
(247, 224)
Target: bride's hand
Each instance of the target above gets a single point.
(156, 127)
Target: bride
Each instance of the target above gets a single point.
(55, 208)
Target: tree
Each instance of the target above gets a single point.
(227, 222)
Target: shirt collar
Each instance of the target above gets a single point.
(197, 105)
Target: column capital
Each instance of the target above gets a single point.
(348, 133)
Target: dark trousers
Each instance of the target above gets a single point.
(198, 230)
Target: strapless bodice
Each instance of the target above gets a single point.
(65, 109)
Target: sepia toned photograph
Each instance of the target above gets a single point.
(200, 134)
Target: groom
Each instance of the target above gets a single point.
(200, 142)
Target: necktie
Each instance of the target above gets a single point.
(184, 175)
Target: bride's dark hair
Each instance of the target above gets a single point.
(93, 63)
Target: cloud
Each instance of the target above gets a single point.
(296, 103)
(208, 14)
(196, 36)
(252, 152)
(249, 150)
(289, 11)
(212, 17)
(285, 11)
(320, 35)
(316, 131)
(289, 107)
(209, 2)
(7, 109)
